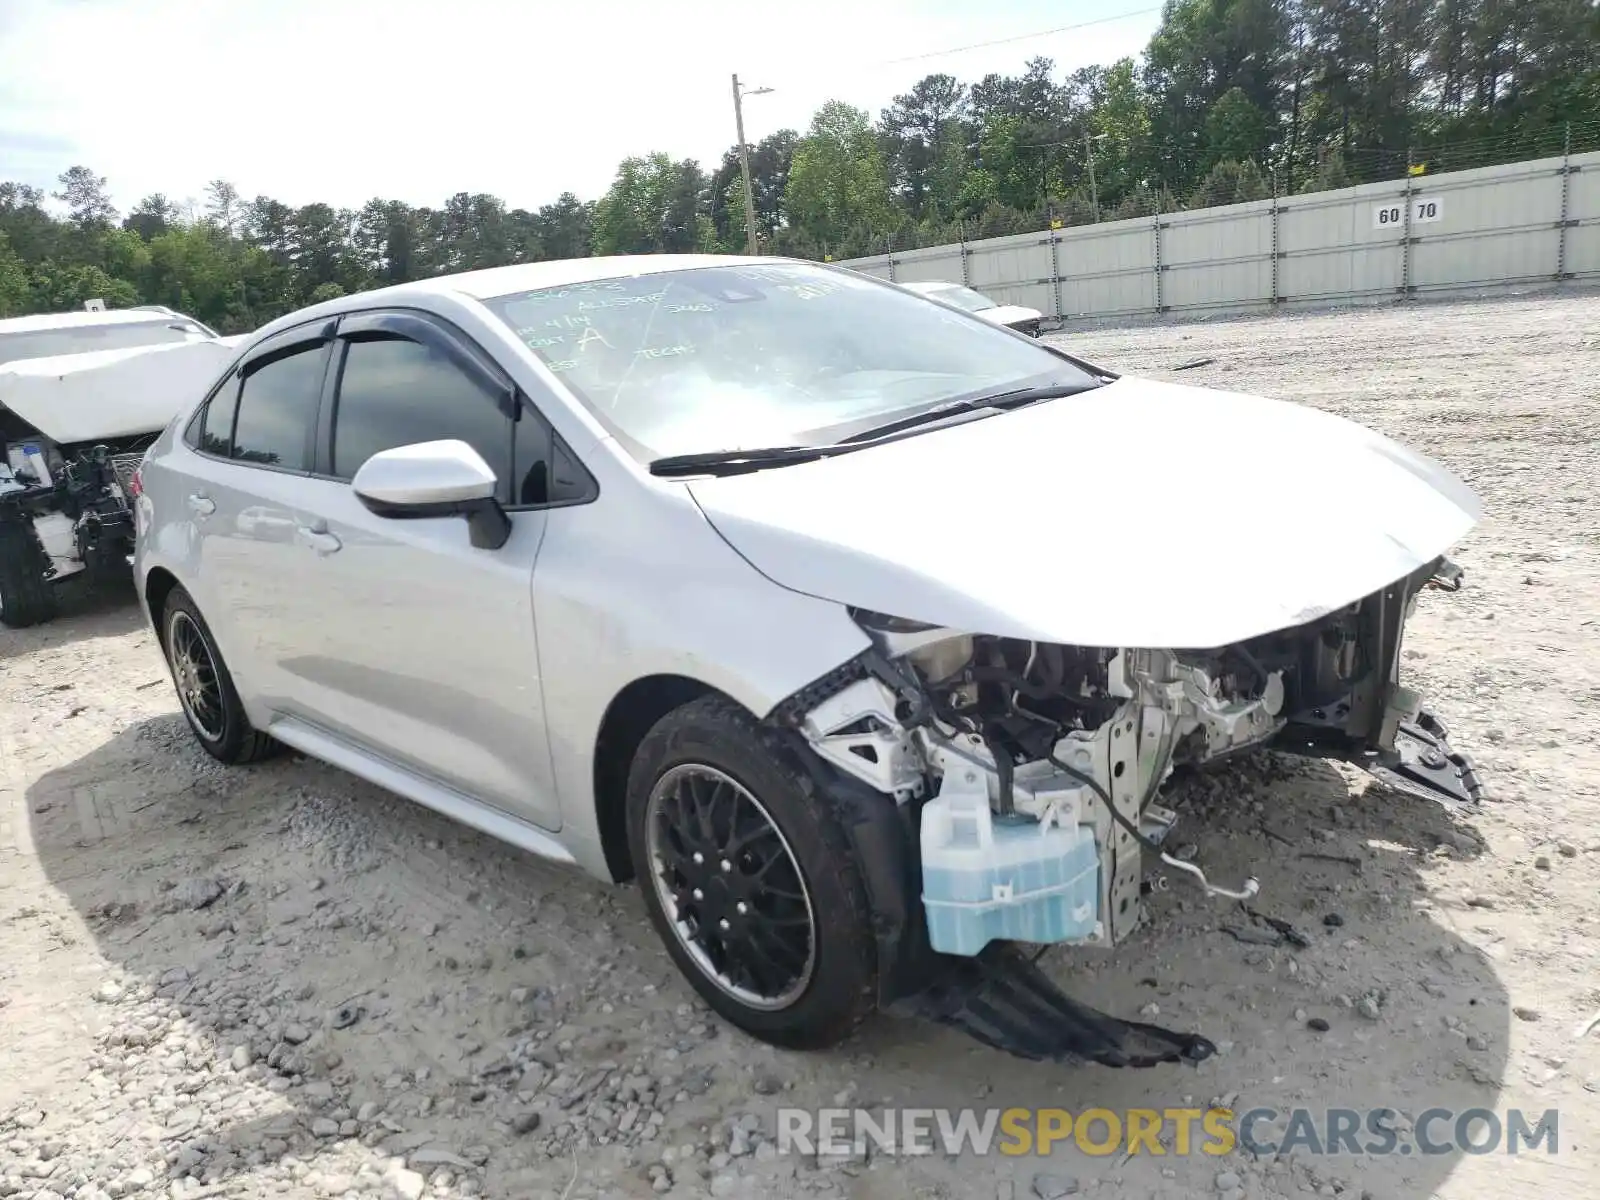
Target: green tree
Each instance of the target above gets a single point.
(86, 197)
(924, 143)
(151, 217)
(62, 288)
(1236, 130)
(16, 293)
(654, 206)
(1125, 154)
(838, 182)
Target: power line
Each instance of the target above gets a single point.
(1021, 37)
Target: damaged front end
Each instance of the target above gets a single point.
(1003, 791)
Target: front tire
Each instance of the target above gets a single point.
(26, 596)
(749, 878)
(206, 693)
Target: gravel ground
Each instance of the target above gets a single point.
(282, 982)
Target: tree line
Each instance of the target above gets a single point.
(1231, 100)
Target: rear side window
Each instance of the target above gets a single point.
(216, 434)
(278, 410)
(395, 393)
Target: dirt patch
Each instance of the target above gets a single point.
(282, 982)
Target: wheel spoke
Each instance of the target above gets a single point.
(198, 680)
(726, 875)
(738, 843)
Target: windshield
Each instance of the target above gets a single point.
(743, 356)
(962, 297)
(82, 339)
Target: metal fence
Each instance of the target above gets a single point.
(1467, 231)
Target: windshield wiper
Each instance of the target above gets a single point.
(1001, 401)
(729, 462)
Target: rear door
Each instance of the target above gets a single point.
(423, 649)
(253, 444)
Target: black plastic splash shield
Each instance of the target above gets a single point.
(1423, 764)
(1005, 1001)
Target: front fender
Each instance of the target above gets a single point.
(634, 586)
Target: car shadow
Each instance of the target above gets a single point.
(85, 612)
(357, 967)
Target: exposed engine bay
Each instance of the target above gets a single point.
(76, 498)
(73, 430)
(1082, 738)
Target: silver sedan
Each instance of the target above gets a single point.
(862, 632)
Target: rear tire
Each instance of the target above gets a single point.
(206, 693)
(26, 596)
(749, 878)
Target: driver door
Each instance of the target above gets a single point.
(426, 654)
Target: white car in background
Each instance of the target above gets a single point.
(1012, 316)
(82, 394)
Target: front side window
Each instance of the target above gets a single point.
(277, 410)
(728, 357)
(395, 392)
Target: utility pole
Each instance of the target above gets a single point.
(744, 168)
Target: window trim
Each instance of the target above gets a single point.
(590, 490)
(437, 332)
(281, 345)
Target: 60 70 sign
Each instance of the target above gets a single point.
(1424, 209)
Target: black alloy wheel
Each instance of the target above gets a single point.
(749, 878)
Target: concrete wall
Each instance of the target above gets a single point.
(1465, 231)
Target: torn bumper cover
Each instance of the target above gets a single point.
(1002, 792)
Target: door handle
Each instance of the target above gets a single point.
(317, 537)
(202, 505)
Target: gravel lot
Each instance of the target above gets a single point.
(281, 982)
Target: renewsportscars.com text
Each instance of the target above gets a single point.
(1176, 1132)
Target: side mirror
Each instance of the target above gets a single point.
(435, 479)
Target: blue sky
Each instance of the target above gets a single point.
(343, 100)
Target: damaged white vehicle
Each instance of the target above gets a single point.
(862, 632)
(82, 394)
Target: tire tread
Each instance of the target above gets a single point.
(30, 598)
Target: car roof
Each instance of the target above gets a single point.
(493, 282)
(930, 285)
(77, 320)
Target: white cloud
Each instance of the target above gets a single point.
(343, 100)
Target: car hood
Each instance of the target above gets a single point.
(1139, 514)
(112, 393)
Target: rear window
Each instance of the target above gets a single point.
(962, 297)
(84, 339)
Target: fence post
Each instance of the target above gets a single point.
(961, 226)
(1156, 230)
(888, 242)
(1566, 206)
(1275, 242)
(1055, 270)
(1405, 245)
